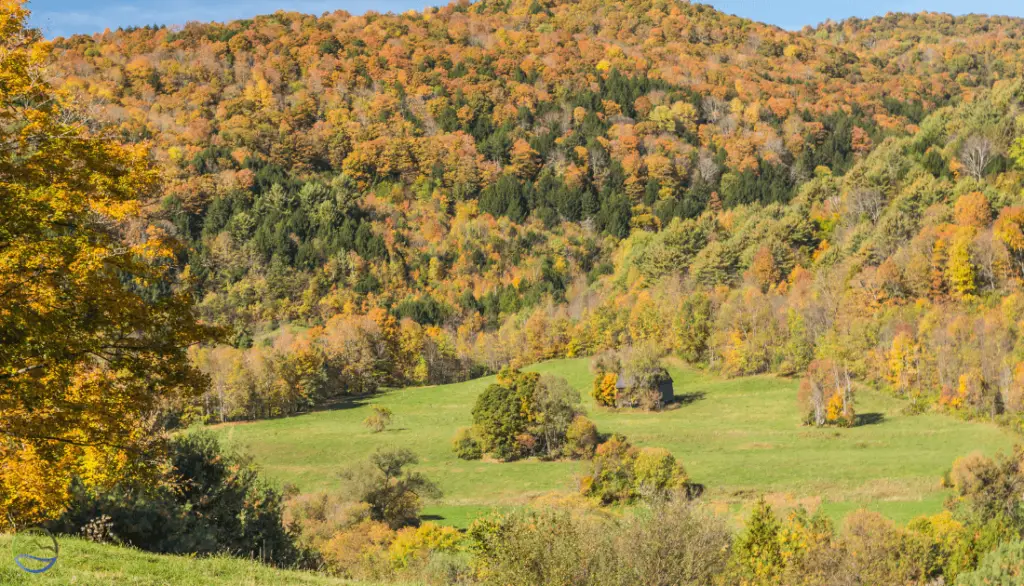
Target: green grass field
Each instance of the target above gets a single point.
(84, 563)
(740, 438)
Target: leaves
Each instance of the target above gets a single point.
(92, 331)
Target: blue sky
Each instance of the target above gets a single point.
(64, 17)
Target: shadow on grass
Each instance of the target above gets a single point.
(339, 404)
(869, 419)
(687, 398)
(431, 518)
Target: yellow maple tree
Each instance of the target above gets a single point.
(93, 329)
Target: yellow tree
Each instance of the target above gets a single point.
(903, 360)
(524, 160)
(763, 270)
(93, 336)
(972, 209)
(959, 269)
(1008, 228)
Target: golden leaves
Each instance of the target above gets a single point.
(85, 359)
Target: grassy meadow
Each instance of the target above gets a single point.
(740, 438)
(84, 563)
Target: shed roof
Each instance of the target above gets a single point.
(626, 381)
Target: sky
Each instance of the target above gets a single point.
(65, 17)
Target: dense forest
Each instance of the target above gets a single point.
(215, 222)
(391, 199)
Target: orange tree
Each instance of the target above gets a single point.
(93, 328)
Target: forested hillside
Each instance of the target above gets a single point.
(418, 198)
(238, 221)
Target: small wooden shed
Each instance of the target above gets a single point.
(662, 381)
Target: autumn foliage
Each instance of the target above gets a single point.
(95, 321)
(418, 198)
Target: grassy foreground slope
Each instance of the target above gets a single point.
(84, 563)
(739, 437)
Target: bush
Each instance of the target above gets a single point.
(801, 549)
(526, 548)
(622, 473)
(759, 556)
(605, 392)
(656, 473)
(581, 438)
(352, 545)
(879, 552)
(211, 502)
(466, 445)
(988, 490)
(954, 545)
(606, 367)
(1003, 565)
(359, 551)
(320, 516)
(611, 479)
(446, 568)
(673, 543)
(413, 544)
(379, 419)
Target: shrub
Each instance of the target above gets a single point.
(317, 517)
(350, 544)
(656, 472)
(526, 548)
(581, 438)
(611, 479)
(379, 419)
(672, 543)
(623, 473)
(604, 391)
(466, 445)
(211, 501)
(415, 543)
(879, 552)
(799, 549)
(446, 568)
(1003, 565)
(987, 494)
(359, 551)
(810, 548)
(606, 367)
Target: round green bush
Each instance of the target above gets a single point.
(466, 445)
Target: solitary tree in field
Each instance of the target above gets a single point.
(93, 332)
(393, 491)
(379, 419)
